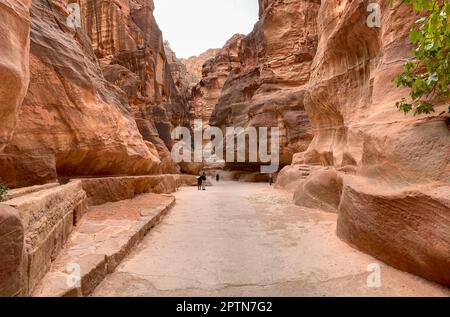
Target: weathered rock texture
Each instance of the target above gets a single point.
(47, 218)
(11, 246)
(179, 72)
(268, 86)
(129, 44)
(111, 189)
(98, 245)
(14, 54)
(205, 95)
(389, 174)
(72, 121)
(194, 65)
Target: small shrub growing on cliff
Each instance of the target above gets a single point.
(428, 72)
(3, 192)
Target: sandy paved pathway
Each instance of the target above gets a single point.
(239, 239)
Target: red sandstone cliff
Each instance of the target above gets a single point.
(72, 122)
(215, 72)
(267, 86)
(194, 65)
(179, 71)
(308, 67)
(387, 174)
(129, 44)
(14, 54)
(101, 99)
(316, 68)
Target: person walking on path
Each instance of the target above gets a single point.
(203, 181)
(217, 177)
(270, 179)
(199, 182)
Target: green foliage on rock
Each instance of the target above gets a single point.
(3, 192)
(427, 73)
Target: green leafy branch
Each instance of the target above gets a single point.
(427, 73)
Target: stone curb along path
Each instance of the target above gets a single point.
(102, 239)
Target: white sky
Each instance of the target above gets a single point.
(194, 26)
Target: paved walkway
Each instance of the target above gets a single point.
(101, 240)
(238, 239)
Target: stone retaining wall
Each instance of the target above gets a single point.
(11, 246)
(110, 189)
(47, 218)
(37, 222)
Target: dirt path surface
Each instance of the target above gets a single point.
(242, 239)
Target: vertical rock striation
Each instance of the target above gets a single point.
(14, 54)
(72, 121)
(179, 72)
(388, 174)
(268, 86)
(194, 65)
(215, 72)
(129, 45)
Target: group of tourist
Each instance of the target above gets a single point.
(201, 181)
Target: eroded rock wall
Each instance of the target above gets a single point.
(194, 65)
(268, 88)
(129, 45)
(215, 72)
(72, 121)
(14, 55)
(390, 172)
(179, 72)
(40, 225)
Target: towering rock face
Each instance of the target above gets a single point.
(205, 95)
(14, 55)
(129, 44)
(194, 65)
(268, 88)
(179, 72)
(388, 175)
(72, 121)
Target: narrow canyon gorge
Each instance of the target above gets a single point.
(87, 116)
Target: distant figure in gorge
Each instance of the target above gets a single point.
(217, 177)
(199, 182)
(203, 180)
(270, 179)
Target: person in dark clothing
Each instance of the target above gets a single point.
(217, 178)
(199, 182)
(203, 178)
